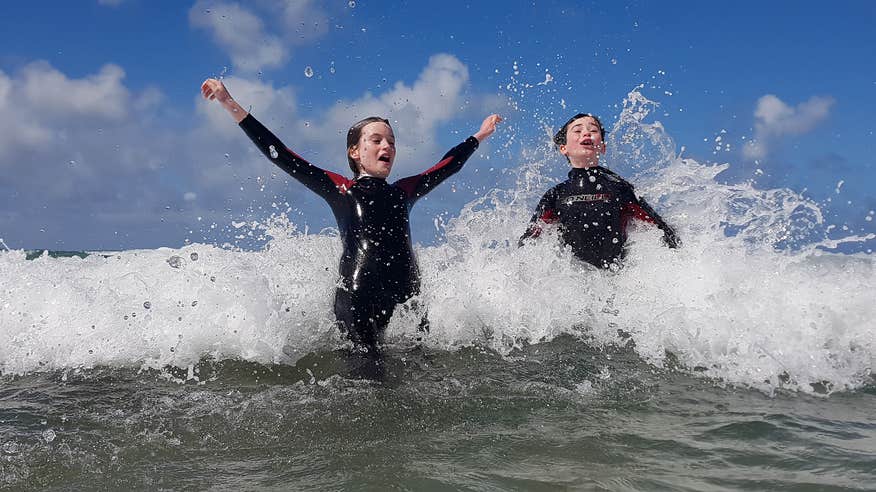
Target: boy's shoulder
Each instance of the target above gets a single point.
(615, 177)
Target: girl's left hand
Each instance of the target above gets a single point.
(488, 127)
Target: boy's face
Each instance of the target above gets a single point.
(375, 151)
(584, 142)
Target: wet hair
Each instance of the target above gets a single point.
(560, 137)
(353, 135)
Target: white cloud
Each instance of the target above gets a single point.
(241, 33)
(49, 91)
(95, 164)
(47, 104)
(260, 98)
(260, 36)
(415, 112)
(774, 120)
(304, 20)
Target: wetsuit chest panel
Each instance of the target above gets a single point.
(376, 231)
(589, 208)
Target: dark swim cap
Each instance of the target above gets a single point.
(560, 137)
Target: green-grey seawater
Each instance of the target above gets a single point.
(558, 415)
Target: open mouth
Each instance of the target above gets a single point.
(383, 158)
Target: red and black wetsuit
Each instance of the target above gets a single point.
(378, 269)
(593, 208)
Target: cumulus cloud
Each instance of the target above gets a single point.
(303, 20)
(415, 111)
(72, 147)
(256, 96)
(46, 104)
(241, 33)
(249, 37)
(94, 165)
(775, 120)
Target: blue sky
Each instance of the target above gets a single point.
(105, 145)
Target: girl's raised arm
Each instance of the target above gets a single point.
(326, 184)
(417, 186)
(214, 90)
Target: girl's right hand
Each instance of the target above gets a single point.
(214, 90)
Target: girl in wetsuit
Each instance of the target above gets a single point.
(594, 206)
(378, 269)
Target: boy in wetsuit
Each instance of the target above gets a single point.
(377, 269)
(594, 206)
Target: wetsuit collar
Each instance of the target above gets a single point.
(365, 175)
(578, 172)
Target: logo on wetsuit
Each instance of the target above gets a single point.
(594, 197)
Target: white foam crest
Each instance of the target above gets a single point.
(752, 298)
(160, 307)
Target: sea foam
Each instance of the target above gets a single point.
(755, 296)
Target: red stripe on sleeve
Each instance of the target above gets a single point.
(341, 182)
(409, 184)
(549, 216)
(633, 211)
(438, 166)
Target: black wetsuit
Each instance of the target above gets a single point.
(593, 208)
(378, 269)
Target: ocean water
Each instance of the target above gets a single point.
(741, 361)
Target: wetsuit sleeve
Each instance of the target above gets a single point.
(324, 183)
(638, 208)
(417, 186)
(545, 213)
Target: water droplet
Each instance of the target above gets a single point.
(194, 303)
(175, 261)
(332, 68)
(273, 151)
(49, 435)
(194, 256)
(592, 179)
(352, 4)
(308, 71)
(147, 305)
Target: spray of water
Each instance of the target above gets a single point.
(754, 297)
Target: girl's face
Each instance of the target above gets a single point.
(375, 151)
(584, 143)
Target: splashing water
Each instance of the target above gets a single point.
(753, 297)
